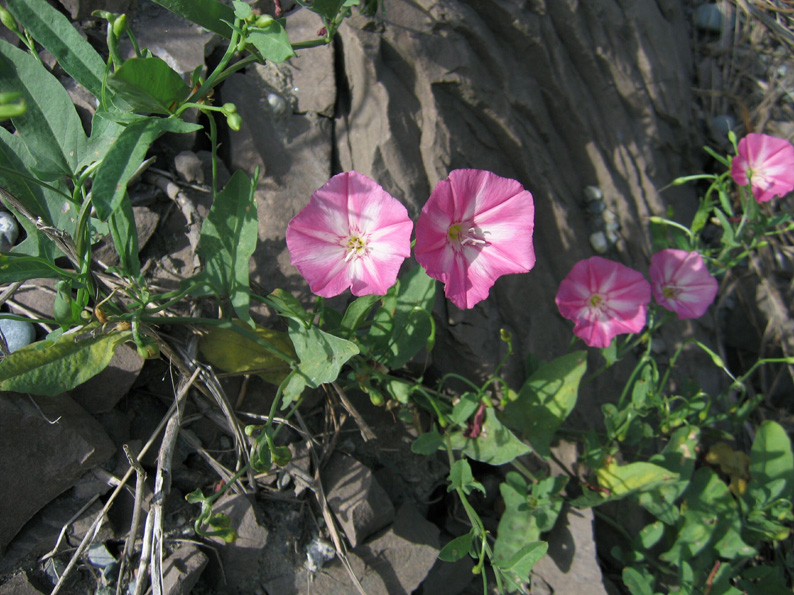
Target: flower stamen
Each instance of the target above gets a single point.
(467, 236)
(356, 247)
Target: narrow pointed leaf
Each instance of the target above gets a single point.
(150, 85)
(54, 31)
(50, 368)
(210, 14)
(123, 159)
(228, 239)
(50, 127)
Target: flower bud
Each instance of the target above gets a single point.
(234, 121)
(120, 25)
(229, 108)
(264, 20)
(8, 20)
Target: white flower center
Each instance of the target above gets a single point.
(467, 234)
(355, 246)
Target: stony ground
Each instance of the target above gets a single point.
(560, 95)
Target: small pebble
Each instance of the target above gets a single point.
(612, 226)
(18, 333)
(277, 103)
(9, 231)
(189, 167)
(598, 241)
(710, 17)
(597, 207)
(609, 216)
(612, 237)
(318, 553)
(592, 193)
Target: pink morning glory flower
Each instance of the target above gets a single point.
(604, 298)
(475, 227)
(681, 282)
(351, 234)
(766, 163)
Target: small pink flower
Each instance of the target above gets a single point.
(474, 228)
(604, 299)
(766, 163)
(681, 282)
(351, 234)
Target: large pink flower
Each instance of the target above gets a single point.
(474, 228)
(351, 234)
(604, 298)
(766, 163)
(681, 282)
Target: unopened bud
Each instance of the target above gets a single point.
(120, 25)
(234, 121)
(8, 20)
(229, 108)
(263, 21)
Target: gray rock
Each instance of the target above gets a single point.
(713, 17)
(570, 566)
(182, 569)
(146, 220)
(46, 444)
(361, 506)
(459, 84)
(40, 534)
(9, 231)
(19, 584)
(17, 333)
(189, 167)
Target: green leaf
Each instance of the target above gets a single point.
(546, 399)
(710, 518)
(519, 566)
(771, 461)
(357, 312)
(638, 583)
(428, 443)
(210, 14)
(228, 239)
(272, 41)
(404, 324)
(495, 444)
(678, 456)
(321, 355)
(54, 31)
(230, 351)
(621, 480)
(47, 368)
(50, 203)
(50, 127)
(123, 159)
(460, 477)
(288, 306)
(150, 85)
(327, 8)
(529, 511)
(124, 232)
(458, 548)
(15, 267)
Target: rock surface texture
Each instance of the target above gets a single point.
(559, 95)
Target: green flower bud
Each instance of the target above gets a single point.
(264, 20)
(120, 25)
(8, 20)
(229, 108)
(234, 121)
